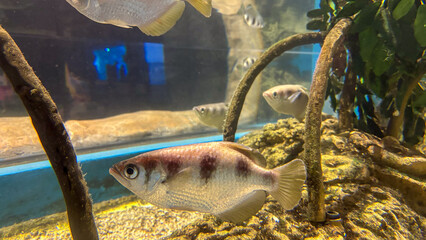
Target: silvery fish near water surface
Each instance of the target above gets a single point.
(222, 178)
(153, 18)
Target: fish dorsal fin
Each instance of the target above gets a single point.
(203, 6)
(165, 22)
(245, 209)
(251, 153)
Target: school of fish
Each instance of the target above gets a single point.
(222, 178)
(225, 179)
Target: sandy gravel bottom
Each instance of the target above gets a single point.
(129, 220)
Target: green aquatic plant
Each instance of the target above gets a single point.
(386, 46)
(53, 136)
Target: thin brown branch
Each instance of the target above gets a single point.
(53, 136)
(395, 122)
(237, 101)
(314, 181)
(346, 101)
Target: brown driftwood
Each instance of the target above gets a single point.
(346, 101)
(312, 155)
(396, 120)
(53, 136)
(237, 101)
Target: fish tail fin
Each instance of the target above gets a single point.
(165, 22)
(203, 6)
(291, 177)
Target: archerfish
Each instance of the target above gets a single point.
(212, 115)
(222, 178)
(288, 99)
(151, 17)
(252, 17)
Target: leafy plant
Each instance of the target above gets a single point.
(387, 45)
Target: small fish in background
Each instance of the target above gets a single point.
(288, 99)
(212, 115)
(79, 89)
(153, 18)
(248, 61)
(6, 91)
(252, 17)
(241, 65)
(221, 178)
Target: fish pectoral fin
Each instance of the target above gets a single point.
(179, 179)
(182, 197)
(293, 97)
(202, 6)
(165, 22)
(251, 153)
(245, 209)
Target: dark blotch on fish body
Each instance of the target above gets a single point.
(268, 177)
(242, 168)
(149, 166)
(173, 167)
(208, 165)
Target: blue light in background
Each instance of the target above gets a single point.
(154, 56)
(110, 56)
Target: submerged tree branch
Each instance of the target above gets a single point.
(237, 101)
(314, 181)
(53, 136)
(395, 122)
(347, 100)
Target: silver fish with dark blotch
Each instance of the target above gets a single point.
(218, 177)
(252, 17)
(248, 61)
(151, 17)
(288, 99)
(212, 115)
(241, 65)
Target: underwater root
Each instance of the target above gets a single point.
(53, 136)
(395, 122)
(312, 155)
(237, 101)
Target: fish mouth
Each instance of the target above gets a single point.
(114, 172)
(117, 175)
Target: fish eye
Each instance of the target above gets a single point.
(275, 94)
(202, 110)
(131, 171)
